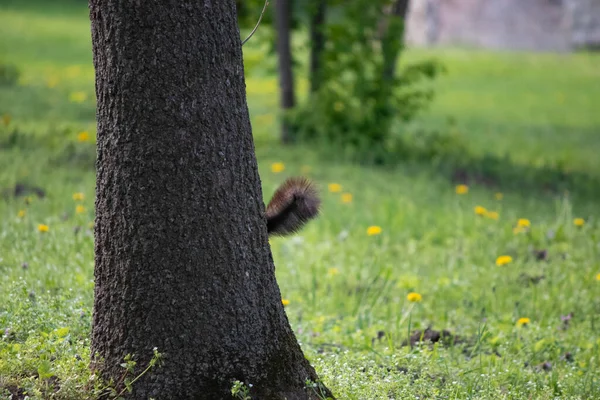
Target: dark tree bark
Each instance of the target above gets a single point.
(182, 260)
(283, 22)
(317, 38)
(399, 11)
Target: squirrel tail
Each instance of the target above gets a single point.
(294, 203)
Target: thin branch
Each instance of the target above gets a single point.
(258, 23)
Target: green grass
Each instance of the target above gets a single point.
(345, 288)
(531, 106)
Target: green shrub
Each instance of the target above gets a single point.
(358, 103)
(9, 75)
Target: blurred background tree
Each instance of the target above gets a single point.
(356, 95)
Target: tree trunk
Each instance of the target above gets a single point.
(391, 37)
(283, 22)
(182, 260)
(317, 38)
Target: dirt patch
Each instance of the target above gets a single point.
(541, 255)
(16, 393)
(432, 336)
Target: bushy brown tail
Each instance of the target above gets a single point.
(294, 203)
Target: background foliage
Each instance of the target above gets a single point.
(356, 106)
(529, 118)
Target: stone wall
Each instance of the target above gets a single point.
(540, 25)
(584, 23)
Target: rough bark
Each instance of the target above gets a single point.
(399, 9)
(317, 39)
(182, 260)
(287, 100)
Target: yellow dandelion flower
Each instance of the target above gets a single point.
(479, 210)
(598, 277)
(21, 213)
(499, 196)
(80, 209)
(285, 302)
(83, 136)
(503, 260)
(78, 196)
(414, 297)
(346, 198)
(77, 97)
(334, 187)
(579, 221)
(373, 230)
(43, 228)
(332, 271)
(462, 189)
(524, 223)
(492, 215)
(277, 167)
(523, 321)
(6, 119)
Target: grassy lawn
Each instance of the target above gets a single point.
(526, 329)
